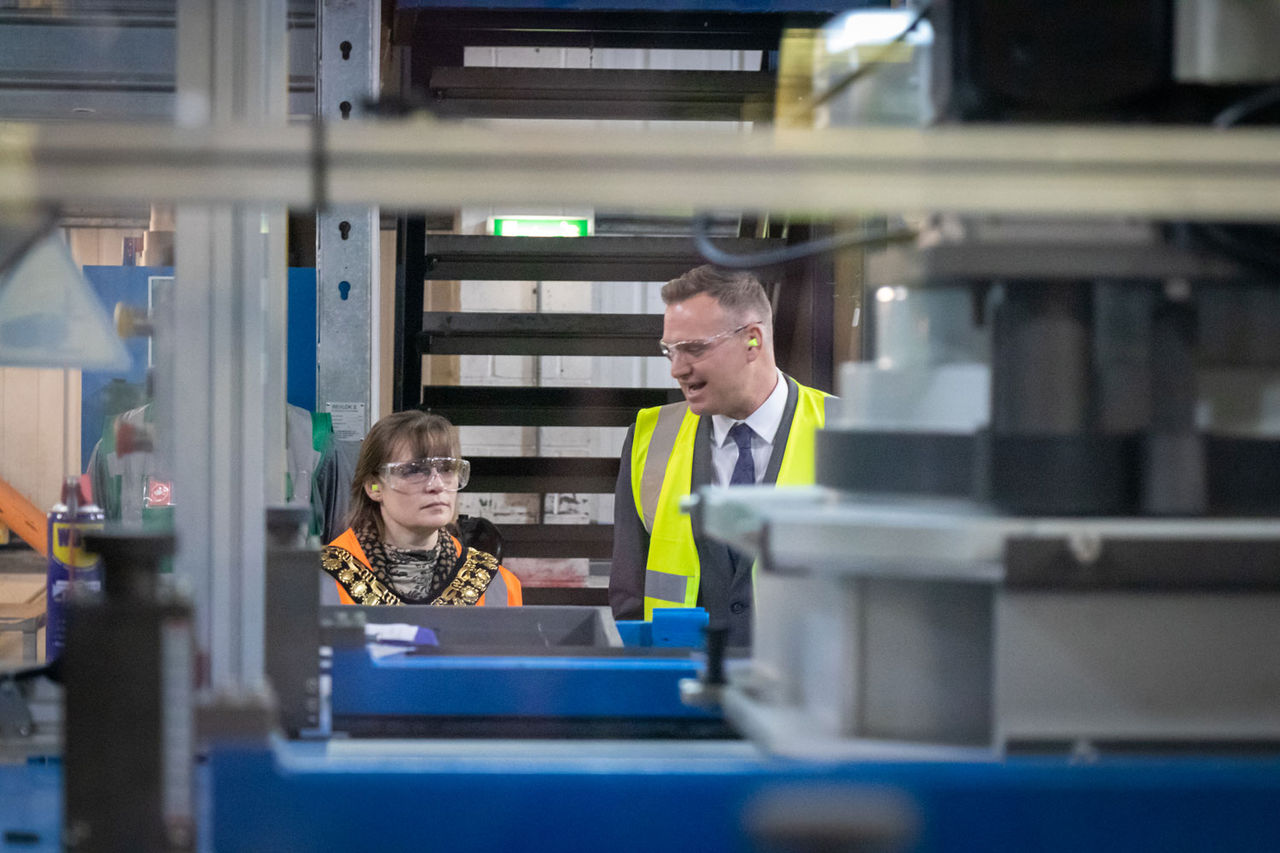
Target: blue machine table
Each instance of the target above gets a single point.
(543, 672)
(551, 695)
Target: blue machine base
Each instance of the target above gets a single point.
(620, 797)
(451, 796)
(31, 806)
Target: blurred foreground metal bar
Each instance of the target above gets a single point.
(1169, 172)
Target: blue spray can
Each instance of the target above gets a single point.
(73, 572)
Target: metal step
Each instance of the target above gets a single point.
(463, 333)
(594, 541)
(580, 596)
(452, 257)
(543, 474)
(491, 405)
(582, 93)
(432, 29)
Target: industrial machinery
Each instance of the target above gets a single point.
(1030, 604)
(1032, 600)
(1046, 520)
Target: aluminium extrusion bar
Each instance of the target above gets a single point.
(227, 440)
(1167, 172)
(828, 532)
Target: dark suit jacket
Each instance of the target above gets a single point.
(724, 588)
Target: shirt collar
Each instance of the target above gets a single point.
(764, 421)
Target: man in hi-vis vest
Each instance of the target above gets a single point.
(743, 422)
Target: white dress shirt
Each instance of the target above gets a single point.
(764, 423)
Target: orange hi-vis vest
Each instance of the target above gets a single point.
(504, 586)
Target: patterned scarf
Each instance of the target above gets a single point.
(416, 575)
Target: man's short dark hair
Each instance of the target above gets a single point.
(739, 292)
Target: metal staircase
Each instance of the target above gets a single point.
(432, 41)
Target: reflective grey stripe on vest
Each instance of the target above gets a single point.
(661, 443)
(665, 587)
(495, 595)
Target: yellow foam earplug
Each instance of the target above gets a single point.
(755, 342)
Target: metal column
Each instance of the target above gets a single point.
(222, 401)
(347, 235)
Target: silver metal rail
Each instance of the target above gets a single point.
(1166, 172)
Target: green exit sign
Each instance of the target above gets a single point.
(540, 226)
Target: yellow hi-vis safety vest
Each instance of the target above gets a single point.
(662, 473)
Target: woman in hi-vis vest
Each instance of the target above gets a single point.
(402, 545)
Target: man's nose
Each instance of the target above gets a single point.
(680, 366)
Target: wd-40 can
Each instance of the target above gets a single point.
(73, 571)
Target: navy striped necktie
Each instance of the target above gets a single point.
(744, 471)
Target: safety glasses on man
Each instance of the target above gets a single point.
(695, 349)
(452, 472)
